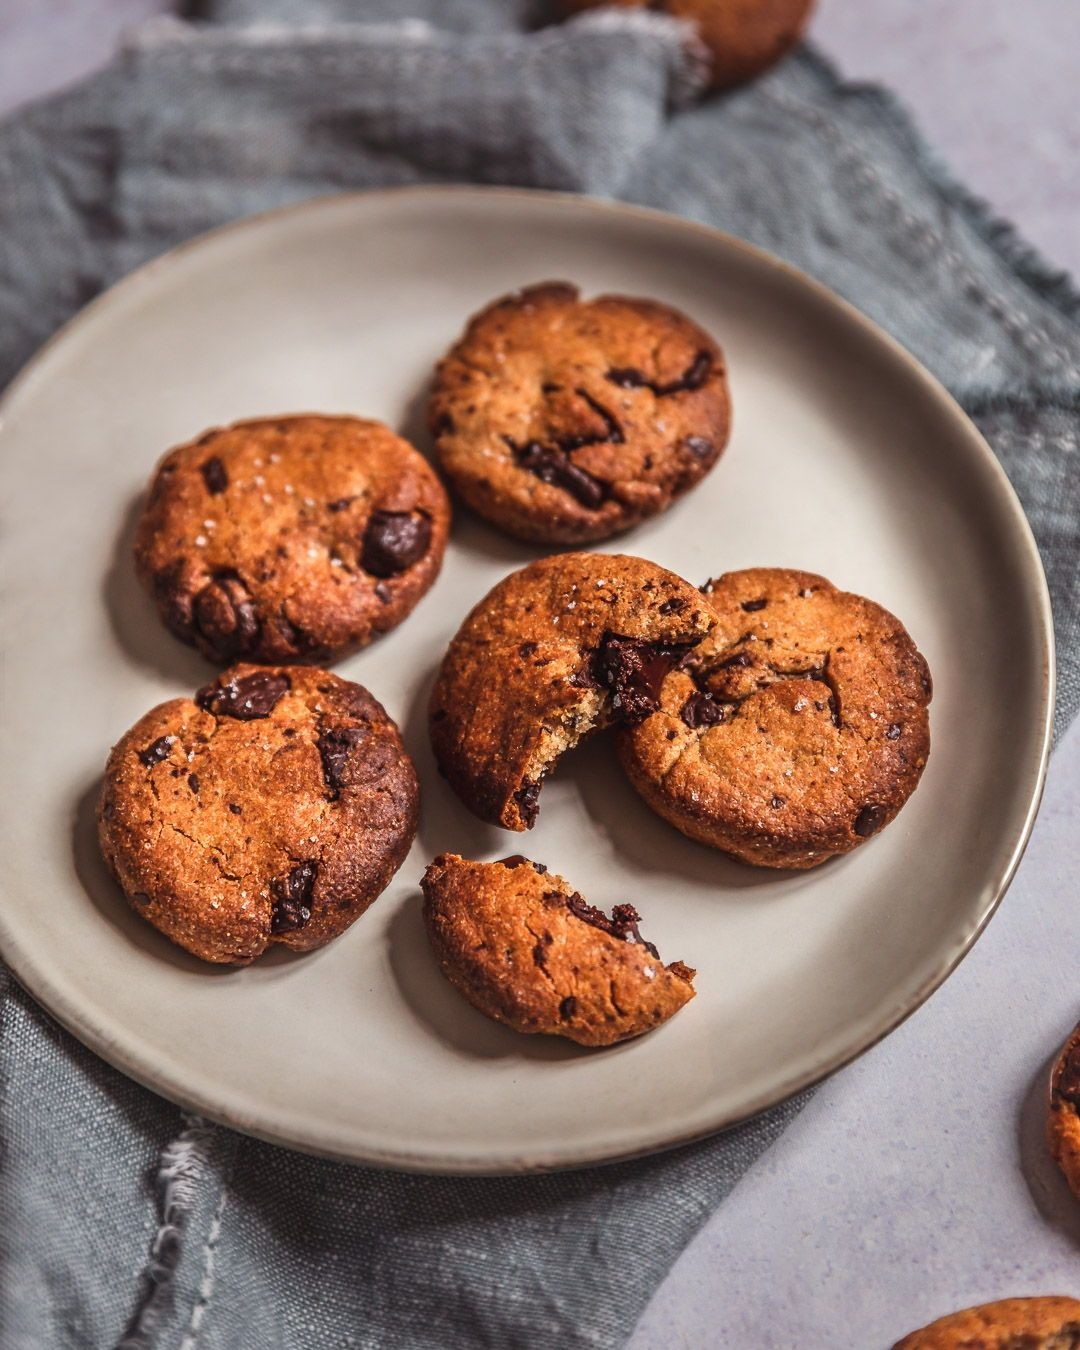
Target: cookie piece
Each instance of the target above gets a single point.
(564, 420)
(1063, 1123)
(742, 37)
(1051, 1322)
(292, 538)
(558, 649)
(795, 731)
(526, 949)
(273, 807)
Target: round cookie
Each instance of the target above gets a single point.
(564, 420)
(273, 807)
(1063, 1123)
(291, 538)
(1051, 1322)
(556, 650)
(742, 37)
(527, 950)
(795, 731)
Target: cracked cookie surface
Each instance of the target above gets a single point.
(273, 807)
(743, 37)
(526, 949)
(561, 648)
(795, 731)
(1051, 1322)
(290, 538)
(564, 420)
(1063, 1123)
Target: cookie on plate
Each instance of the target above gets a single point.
(556, 650)
(1063, 1124)
(291, 538)
(526, 949)
(743, 37)
(273, 807)
(1048, 1323)
(795, 731)
(563, 420)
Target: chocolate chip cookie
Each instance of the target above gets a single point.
(742, 37)
(795, 731)
(292, 538)
(1063, 1124)
(558, 649)
(564, 420)
(526, 949)
(1048, 1323)
(273, 807)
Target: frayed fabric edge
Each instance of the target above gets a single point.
(183, 1164)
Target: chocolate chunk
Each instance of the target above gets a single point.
(752, 606)
(777, 802)
(225, 616)
(519, 860)
(634, 670)
(892, 731)
(672, 606)
(568, 1007)
(156, 751)
(235, 808)
(382, 593)
(335, 745)
(193, 781)
(526, 798)
(393, 541)
(869, 820)
(291, 906)
(247, 698)
(737, 662)
(342, 504)
(693, 377)
(444, 425)
(527, 649)
(623, 923)
(214, 475)
(552, 465)
(698, 446)
(1068, 1080)
(140, 897)
(702, 710)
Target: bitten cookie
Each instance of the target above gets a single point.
(1063, 1124)
(290, 539)
(273, 807)
(1048, 1323)
(558, 649)
(795, 731)
(564, 420)
(743, 37)
(527, 950)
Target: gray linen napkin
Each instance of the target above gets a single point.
(122, 1221)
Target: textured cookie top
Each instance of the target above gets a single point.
(293, 538)
(797, 729)
(528, 950)
(1048, 1323)
(564, 420)
(1063, 1125)
(274, 806)
(556, 650)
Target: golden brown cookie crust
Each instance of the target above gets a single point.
(527, 950)
(564, 420)
(1051, 1322)
(290, 538)
(795, 731)
(520, 682)
(273, 807)
(1063, 1123)
(743, 37)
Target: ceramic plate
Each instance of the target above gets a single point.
(846, 459)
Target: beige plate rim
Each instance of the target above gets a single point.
(37, 982)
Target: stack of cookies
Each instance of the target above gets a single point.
(765, 713)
